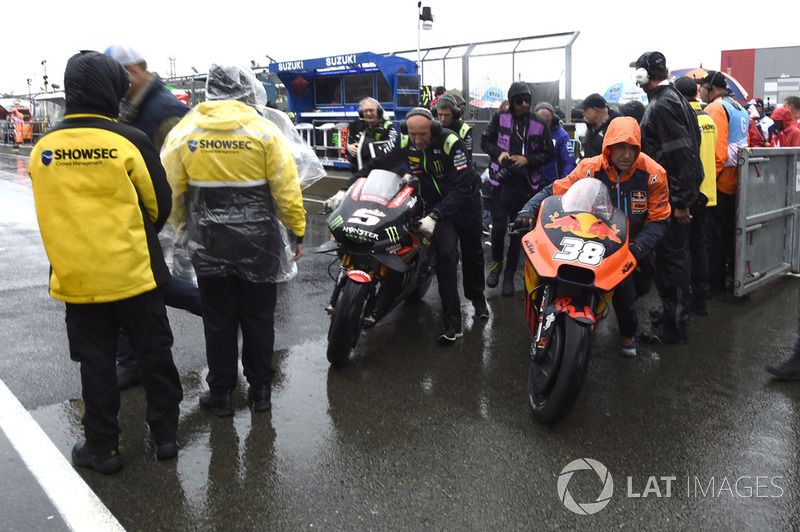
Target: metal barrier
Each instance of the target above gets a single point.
(767, 217)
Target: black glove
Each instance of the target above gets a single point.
(636, 251)
(524, 220)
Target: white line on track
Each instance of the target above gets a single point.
(78, 505)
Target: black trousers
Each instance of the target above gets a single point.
(699, 256)
(231, 303)
(624, 301)
(673, 276)
(178, 293)
(723, 241)
(466, 230)
(93, 332)
(506, 203)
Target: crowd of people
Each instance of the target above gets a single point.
(221, 179)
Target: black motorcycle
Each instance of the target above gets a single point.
(382, 260)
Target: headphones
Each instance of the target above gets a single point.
(642, 76)
(643, 73)
(447, 101)
(711, 81)
(436, 126)
(370, 100)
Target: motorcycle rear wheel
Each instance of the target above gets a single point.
(553, 386)
(346, 322)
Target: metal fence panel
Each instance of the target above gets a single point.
(767, 220)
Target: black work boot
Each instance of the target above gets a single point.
(494, 273)
(260, 398)
(106, 462)
(508, 283)
(219, 404)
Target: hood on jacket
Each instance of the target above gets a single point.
(622, 129)
(94, 83)
(782, 113)
(230, 82)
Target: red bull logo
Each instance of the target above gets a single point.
(584, 225)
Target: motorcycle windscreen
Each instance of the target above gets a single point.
(595, 247)
(380, 187)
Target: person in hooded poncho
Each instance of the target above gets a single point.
(236, 191)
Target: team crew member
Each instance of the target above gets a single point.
(671, 136)
(150, 107)
(369, 136)
(449, 114)
(99, 187)
(706, 200)
(234, 181)
(564, 161)
(518, 142)
(732, 127)
(449, 187)
(371, 127)
(638, 186)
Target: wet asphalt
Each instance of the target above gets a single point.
(415, 436)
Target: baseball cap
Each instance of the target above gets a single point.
(648, 60)
(687, 86)
(757, 101)
(715, 79)
(124, 54)
(595, 101)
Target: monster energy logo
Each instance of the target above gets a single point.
(438, 166)
(336, 222)
(392, 234)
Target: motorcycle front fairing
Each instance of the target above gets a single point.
(579, 247)
(375, 219)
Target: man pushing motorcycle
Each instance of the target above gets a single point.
(449, 187)
(638, 186)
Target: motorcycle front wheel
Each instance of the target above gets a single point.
(554, 385)
(346, 322)
(424, 280)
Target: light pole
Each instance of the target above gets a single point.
(44, 67)
(425, 22)
(29, 94)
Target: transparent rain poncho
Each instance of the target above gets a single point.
(236, 181)
(588, 195)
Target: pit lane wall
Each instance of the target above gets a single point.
(767, 217)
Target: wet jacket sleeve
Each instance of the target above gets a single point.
(150, 181)
(393, 161)
(717, 113)
(673, 141)
(658, 211)
(461, 180)
(489, 137)
(536, 201)
(284, 185)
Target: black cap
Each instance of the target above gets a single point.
(648, 60)
(595, 101)
(715, 79)
(687, 86)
